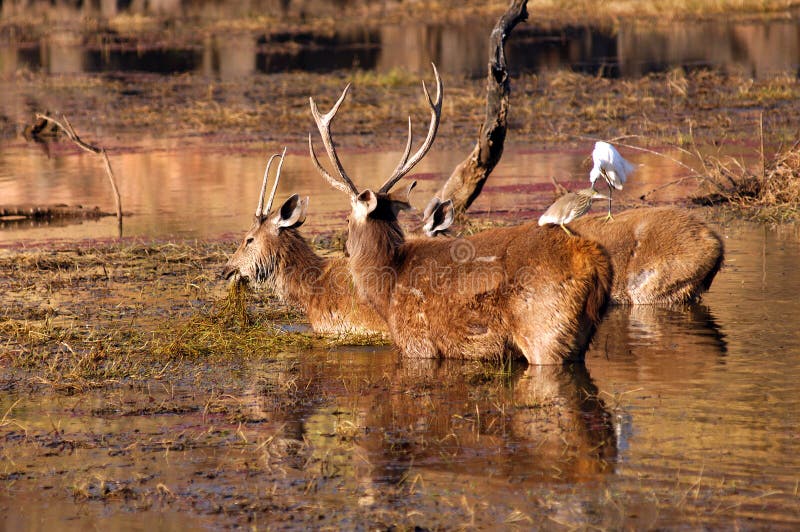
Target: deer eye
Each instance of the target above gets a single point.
(249, 240)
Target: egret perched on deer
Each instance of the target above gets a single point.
(612, 166)
(570, 206)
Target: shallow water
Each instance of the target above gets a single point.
(681, 417)
(175, 190)
(760, 48)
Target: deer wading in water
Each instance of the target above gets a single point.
(524, 290)
(660, 255)
(274, 253)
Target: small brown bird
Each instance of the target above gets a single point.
(570, 206)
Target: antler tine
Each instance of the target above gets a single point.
(335, 183)
(323, 124)
(264, 186)
(407, 151)
(265, 212)
(406, 165)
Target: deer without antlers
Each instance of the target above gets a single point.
(522, 290)
(660, 255)
(274, 253)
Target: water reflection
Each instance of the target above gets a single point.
(680, 414)
(532, 424)
(156, 182)
(705, 393)
(674, 343)
(760, 48)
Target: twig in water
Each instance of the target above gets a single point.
(67, 128)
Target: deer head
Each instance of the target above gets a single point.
(265, 244)
(368, 208)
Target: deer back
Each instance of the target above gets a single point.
(660, 255)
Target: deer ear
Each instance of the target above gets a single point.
(432, 204)
(401, 201)
(292, 213)
(365, 203)
(441, 218)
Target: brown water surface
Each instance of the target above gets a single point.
(630, 48)
(174, 189)
(681, 417)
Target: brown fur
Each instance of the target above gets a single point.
(527, 290)
(321, 287)
(660, 255)
(524, 290)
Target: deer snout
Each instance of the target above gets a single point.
(228, 271)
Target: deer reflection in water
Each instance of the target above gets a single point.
(383, 422)
(380, 421)
(643, 342)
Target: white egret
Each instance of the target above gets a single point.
(612, 166)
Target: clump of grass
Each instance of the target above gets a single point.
(73, 359)
(396, 77)
(233, 309)
(81, 343)
(228, 330)
(356, 339)
(771, 195)
(473, 226)
(231, 331)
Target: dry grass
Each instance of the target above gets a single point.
(546, 110)
(81, 318)
(770, 195)
(624, 9)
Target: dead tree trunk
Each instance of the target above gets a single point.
(467, 180)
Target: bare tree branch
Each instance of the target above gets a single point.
(67, 128)
(467, 180)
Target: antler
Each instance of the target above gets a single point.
(265, 212)
(259, 211)
(405, 164)
(324, 125)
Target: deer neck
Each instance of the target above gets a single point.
(298, 272)
(374, 247)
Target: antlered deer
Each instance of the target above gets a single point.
(660, 255)
(526, 290)
(273, 252)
